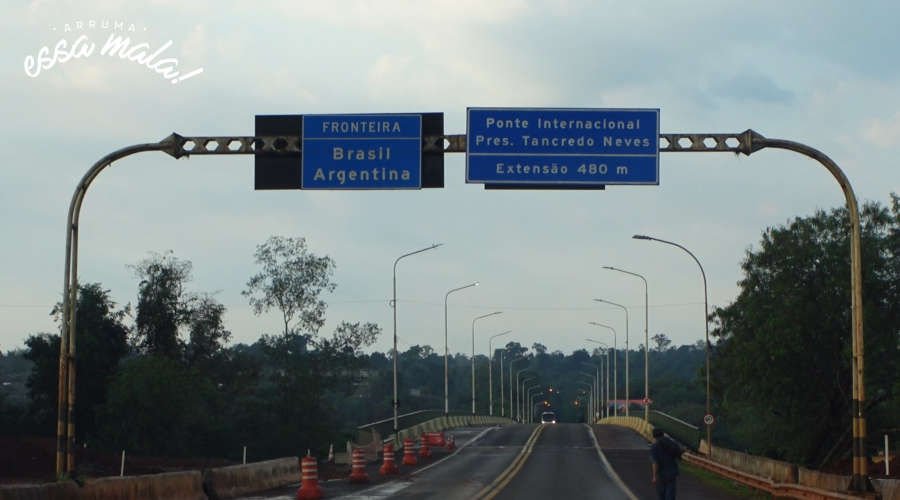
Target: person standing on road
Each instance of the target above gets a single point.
(664, 454)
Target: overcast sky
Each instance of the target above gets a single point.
(824, 73)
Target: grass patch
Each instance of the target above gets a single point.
(721, 483)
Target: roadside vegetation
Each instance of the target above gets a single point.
(160, 377)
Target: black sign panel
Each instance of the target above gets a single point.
(285, 170)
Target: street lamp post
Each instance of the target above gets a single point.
(646, 341)
(520, 401)
(593, 390)
(705, 325)
(590, 396)
(626, 350)
(511, 362)
(447, 350)
(518, 397)
(529, 417)
(597, 386)
(532, 403)
(615, 367)
(491, 372)
(473, 354)
(394, 306)
(606, 399)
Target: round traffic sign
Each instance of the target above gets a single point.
(708, 419)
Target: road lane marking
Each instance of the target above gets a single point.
(390, 488)
(491, 490)
(467, 443)
(609, 470)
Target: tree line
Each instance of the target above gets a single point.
(161, 378)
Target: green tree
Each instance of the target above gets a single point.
(100, 341)
(158, 406)
(291, 280)
(207, 330)
(163, 305)
(782, 362)
(662, 341)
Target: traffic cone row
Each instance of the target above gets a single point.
(424, 452)
(409, 452)
(358, 472)
(389, 466)
(309, 475)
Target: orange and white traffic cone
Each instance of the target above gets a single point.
(389, 466)
(409, 452)
(424, 452)
(451, 442)
(358, 473)
(309, 475)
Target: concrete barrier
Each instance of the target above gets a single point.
(186, 485)
(237, 480)
(774, 470)
(49, 491)
(888, 488)
(822, 480)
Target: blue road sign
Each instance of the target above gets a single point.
(362, 151)
(562, 146)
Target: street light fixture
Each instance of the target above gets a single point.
(705, 324)
(615, 366)
(593, 405)
(531, 402)
(394, 306)
(606, 399)
(529, 417)
(473, 354)
(597, 385)
(447, 350)
(588, 394)
(511, 363)
(491, 371)
(646, 341)
(626, 349)
(520, 401)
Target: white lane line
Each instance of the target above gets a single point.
(467, 443)
(609, 470)
(388, 489)
(378, 492)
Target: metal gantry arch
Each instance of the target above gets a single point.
(178, 146)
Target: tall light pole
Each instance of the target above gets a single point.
(646, 341)
(531, 401)
(615, 366)
(705, 325)
(447, 350)
(589, 395)
(627, 402)
(529, 417)
(520, 401)
(597, 387)
(394, 305)
(511, 363)
(473, 354)
(593, 390)
(606, 399)
(490, 374)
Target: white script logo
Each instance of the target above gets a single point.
(117, 44)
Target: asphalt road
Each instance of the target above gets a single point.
(563, 464)
(629, 455)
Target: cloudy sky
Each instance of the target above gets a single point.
(824, 73)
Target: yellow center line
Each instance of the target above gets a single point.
(491, 490)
